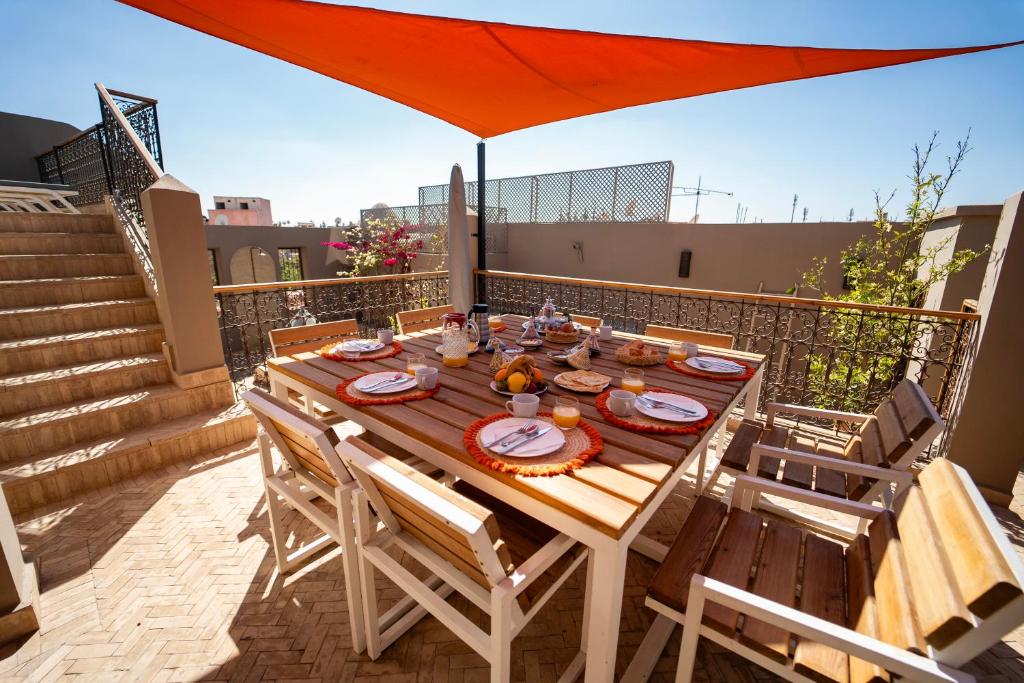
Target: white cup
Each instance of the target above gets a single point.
(426, 377)
(691, 350)
(523, 405)
(385, 335)
(605, 332)
(622, 403)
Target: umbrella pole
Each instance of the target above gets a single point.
(481, 206)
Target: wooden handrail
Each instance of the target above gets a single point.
(294, 284)
(137, 143)
(714, 294)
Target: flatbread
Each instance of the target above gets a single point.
(583, 380)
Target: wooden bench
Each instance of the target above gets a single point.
(587, 321)
(899, 431)
(932, 583)
(501, 560)
(418, 319)
(722, 341)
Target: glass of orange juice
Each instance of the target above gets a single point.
(677, 352)
(495, 323)
(566, 413)
(633, 380)
(415, 361)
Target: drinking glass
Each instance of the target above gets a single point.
(633, 380)
(349, 354)
(415, 361)
(566, 413)
(677, 352)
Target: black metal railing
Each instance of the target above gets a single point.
(247, 313)
(629, 194)
(822, 353)
(121, 156)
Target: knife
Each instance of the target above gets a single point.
(526, 439)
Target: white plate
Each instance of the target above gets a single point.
(361, 345)
(671, 415)
(494, 386)
(542, 445)
(370, 380)
(715, 365)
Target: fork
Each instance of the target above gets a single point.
(655, 403)
(382, 382)
(522, 429)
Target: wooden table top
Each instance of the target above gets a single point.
(606, 493)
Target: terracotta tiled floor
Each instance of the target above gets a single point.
(170, 577)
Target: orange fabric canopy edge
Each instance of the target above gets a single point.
(492, 78)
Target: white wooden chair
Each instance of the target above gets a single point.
(310, 469)
(501, 560)
(899, 431)
(932, 583)
(679, 334)
(417, 319)
(289, 340)
(36, 197)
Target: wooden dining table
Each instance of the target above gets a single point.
(604, 504)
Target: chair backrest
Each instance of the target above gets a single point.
(421, 318)
(901, 427)
(722, 341)
(307, 444)
(587, 320)
(461, 532)
(288, 340)
(941, 572)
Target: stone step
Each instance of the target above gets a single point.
(67, 290)
(39, 353)
(32, 483)
(50, 429)
(30, 266)
(37, 321)
(81, 382)
(60, 243)
(56, 222)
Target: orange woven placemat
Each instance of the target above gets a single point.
(581, 446)
(684, 369)
(650, 425)
(347, 392)
(387, 352)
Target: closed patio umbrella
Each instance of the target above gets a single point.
(460, 270)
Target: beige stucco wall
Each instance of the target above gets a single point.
(728, 257)
(957, 228)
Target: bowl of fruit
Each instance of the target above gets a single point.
(521, 376)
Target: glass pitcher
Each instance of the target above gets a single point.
(457, 334)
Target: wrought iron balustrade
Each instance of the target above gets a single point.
(121, 156)
(823, 353)
(247, 313)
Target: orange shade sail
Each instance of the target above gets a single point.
(491, 78)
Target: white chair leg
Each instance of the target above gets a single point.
(350, 568)
(275, 506)
(501, 634)
(691, 636)
(371, 618)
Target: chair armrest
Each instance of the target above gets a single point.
(538, 563)
(899, 477)
(837, 415)
(746, 484)
(890, 657)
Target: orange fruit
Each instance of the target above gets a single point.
(537, 375)
(517, 382)
(501, 374)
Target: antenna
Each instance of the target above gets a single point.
(697, 192)
(792, 213)
(849, 218)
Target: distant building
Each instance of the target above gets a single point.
(240, 211)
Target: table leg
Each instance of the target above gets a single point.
(604, 609)
(753, 394)
(278, 389)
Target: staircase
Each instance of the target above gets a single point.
(86, 397)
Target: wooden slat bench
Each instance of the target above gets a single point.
(929, 585)
(680, 334)
(899, 430)
(418, 319)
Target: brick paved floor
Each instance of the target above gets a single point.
(169, 577)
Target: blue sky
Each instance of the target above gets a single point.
(237, 122)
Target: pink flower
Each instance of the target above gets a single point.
(390, 261)
(344, 246)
